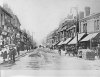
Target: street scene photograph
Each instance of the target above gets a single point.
(49, 35)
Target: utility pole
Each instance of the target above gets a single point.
(77, 24)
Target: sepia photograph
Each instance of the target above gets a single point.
(54, 35)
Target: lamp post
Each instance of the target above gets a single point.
(77, 23)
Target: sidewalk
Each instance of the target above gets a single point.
(22, 53)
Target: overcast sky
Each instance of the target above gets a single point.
(43, 16)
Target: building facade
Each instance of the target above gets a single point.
(10, 32)
(90, 24)
(87, 24)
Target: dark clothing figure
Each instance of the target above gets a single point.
(18, 50)
(5, 55)
(12, 54)
(65, 52)
(98, 52)
(59, 51)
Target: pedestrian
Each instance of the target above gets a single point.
(13, 53)
(98, 51)
(4, 55)
(18, 50)
(65, 50)
(10, 53)
(59, 51)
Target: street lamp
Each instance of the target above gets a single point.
(77, 20)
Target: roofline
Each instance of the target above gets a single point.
(5, 11)
(87, 17)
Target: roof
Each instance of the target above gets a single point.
(5, 11)
(90, 16)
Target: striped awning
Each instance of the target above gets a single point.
(90, 36)
(74, 41)
(60, 43)
(65, 42)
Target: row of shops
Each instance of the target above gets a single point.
(74, 35)
(84, 40)
(10, 32)
(87, 42)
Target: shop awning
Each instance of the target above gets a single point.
(90, 36)
(60, 43)
(65, 42)
(74, 41)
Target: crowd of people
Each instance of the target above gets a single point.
(9, 53)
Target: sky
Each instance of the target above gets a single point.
(40, 17)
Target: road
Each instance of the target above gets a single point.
(44, 59)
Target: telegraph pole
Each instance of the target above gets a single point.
(77, 24)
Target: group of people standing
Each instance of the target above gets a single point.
(72, 50)
(10, 53)
(68, 50)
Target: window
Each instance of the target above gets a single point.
(85, 27)
(80, 27)
(97, 24)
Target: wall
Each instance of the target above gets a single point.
(90, 25)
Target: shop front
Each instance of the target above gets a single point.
(73, 43)
(88, 45)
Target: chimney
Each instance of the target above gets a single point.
(81, 14)
(87, 11)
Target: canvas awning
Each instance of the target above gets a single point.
(65, 42)
(90, 36)
(60, 43)
(74, 41)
